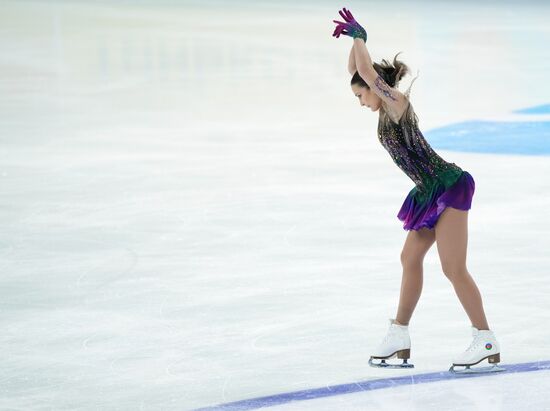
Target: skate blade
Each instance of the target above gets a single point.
(478, 370)
(384, 364)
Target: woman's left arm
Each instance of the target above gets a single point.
(352, 68)
(391, 96)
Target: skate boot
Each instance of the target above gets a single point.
(396, 343)
(484, 345)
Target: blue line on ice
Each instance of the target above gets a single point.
(500, 137)
(542, 109)
(369, 385)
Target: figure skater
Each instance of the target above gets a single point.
(435, 210)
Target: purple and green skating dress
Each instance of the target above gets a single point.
(439, 184)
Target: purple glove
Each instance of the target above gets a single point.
(350, 27)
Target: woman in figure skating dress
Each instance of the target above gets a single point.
(435, 210)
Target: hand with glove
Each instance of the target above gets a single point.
(350, 27)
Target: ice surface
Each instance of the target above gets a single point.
(195, 209)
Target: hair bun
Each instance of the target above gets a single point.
(392, 73)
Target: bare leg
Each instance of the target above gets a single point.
(415, 248)
(451, 233)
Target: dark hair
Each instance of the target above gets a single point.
(391, 73)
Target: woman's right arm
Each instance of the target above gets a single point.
(352, 68)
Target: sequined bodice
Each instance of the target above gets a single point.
(411, 152)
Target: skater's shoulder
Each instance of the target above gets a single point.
(397, 114)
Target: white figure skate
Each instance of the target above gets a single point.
(484, 345)
(396, 343)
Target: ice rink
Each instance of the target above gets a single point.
(196, 212)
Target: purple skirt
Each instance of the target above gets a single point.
(419, 214)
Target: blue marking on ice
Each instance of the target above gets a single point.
(542, 109)
(497, 137)
(369, 385)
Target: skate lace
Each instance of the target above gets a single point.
(475, 343)
(389, 335)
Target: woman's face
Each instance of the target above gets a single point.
(366, 97)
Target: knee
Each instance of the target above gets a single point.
(454, 271)
(411, 260)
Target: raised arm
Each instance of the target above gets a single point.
(394, 99)
(352, 68)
